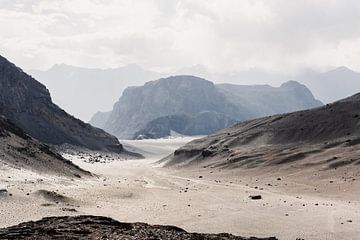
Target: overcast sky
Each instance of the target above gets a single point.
(165, 35)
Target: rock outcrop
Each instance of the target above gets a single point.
(93, 227)
(27, 103)
(169, 96)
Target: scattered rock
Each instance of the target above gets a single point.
(255, 197)
(69, 209)
(3, 193)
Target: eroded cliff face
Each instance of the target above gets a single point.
(175, 95)
(27, 103)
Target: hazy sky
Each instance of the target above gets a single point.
(165, 35)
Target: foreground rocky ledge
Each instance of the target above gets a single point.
(92, 227)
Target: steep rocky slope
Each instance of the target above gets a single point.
(27, 103)
(141, 109)
(327, 137)
(175, 95)
(18, 150)
(92, 227)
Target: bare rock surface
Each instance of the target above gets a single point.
(27, 103)
(93, 227)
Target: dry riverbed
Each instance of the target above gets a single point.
(209, 200)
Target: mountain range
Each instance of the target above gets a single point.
(333, 85)
(84, 91)
(194, 106)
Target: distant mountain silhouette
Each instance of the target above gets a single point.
(84, 91)
(264, 100)
(99, 119)
(140, 110)
(332, 85)
(27, 103)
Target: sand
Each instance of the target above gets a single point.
(209, 200)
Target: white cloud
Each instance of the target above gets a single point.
(277, 35)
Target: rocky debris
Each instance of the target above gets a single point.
(92, 227)
(27, 103)
(3, 192)
(94, 157)
(207, 152)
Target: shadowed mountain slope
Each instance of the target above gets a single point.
(327, 137)
(202, 123)
(27, 103)
(18, 150)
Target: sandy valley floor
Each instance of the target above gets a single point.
(207, 201)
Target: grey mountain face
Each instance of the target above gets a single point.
(83, 91)
(174, 95)
(332, 85)
(264, 100)
(142, 110)
(27, 103)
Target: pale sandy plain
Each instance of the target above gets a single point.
(302, 206)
